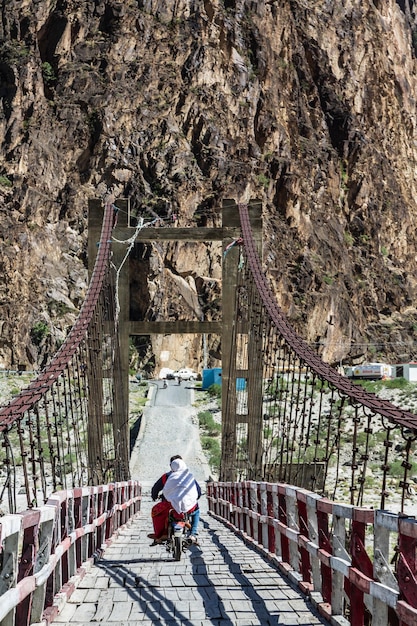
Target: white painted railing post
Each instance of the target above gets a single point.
(85, 512)
(44, 551)
(292, 517)
(275, 505)
(247, 499)
(264, 513)
(72, 562)
(11, 535)
(384, 524)
(313, 531)
(253, 505)
(240, 505)
(340, 515)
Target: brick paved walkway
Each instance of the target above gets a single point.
(221, 582)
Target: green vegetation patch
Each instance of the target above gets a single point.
(208, 424)
(212, 448)
(210, 440)
(215, 391)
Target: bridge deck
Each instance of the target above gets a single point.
(219, 582)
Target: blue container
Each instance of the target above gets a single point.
(217, 375)
(208, 378)
(212, 377)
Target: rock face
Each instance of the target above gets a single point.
(308, 105)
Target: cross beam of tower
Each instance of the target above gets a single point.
(227, 234)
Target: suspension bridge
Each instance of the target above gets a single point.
(316, 473)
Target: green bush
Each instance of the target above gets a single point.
(212, 447)
(215, 391)
(208, 424)
(39, 331)
(263, 180)
(376, 385)
(48, 73)
(5, 182)
(396, 383)
(397, 469)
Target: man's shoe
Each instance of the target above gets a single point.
(151, 535)
(192, 539)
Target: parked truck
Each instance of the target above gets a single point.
(369, 371)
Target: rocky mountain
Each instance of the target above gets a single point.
(308, 105)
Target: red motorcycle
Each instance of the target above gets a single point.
(178, 531)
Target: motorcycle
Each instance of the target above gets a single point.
(178, 531)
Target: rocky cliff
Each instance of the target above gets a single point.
(308, 105)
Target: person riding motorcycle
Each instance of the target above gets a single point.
(180, 491)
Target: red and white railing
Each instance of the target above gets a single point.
(45, 551)
(358, 565)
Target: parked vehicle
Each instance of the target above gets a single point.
(186, 374)
(166, 373)
(369, 371)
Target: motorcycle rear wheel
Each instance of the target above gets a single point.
(177, 548)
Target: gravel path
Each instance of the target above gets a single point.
(169, 426)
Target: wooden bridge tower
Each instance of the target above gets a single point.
(227, 233)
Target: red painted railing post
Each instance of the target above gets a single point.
(216, 500)
(50, 584)
(209, 496)
(100, 505)
(215, 494)
(259, 511)
(253, 507)
(275, 511)
(407, 569)
(110, 520)
(270, 514)
(226, 508)
(324, 509)
(220, 499)
(246, 505)
(227, 503)
(123, 512)
(282, 516)
(64, 534)
(78, 522)
(233, 502)
(27, 563)
(91, 516)
(211, 492)
(240, 523)
(361, 564)
(304, 532)
(137, 493)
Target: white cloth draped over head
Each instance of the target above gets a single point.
(180, 489)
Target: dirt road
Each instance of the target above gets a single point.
(169, 426)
